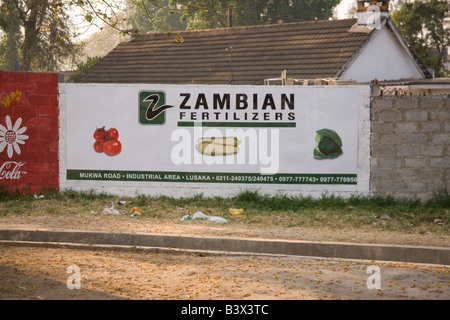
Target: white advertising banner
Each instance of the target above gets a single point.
(275, 137)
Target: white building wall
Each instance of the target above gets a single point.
(383, 58)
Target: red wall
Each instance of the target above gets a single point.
(31, 98)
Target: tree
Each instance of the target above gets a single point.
(151, 16)
(169, 15)
(201, 14)
(421, 24)
(9, 44)
(37, 34)
(293, 11)
(82, 68)
(198, 14)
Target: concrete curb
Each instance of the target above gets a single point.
(411, 254)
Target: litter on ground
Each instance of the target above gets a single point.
(111, 210)
(236, 212)
(136, 211)
(201, 215)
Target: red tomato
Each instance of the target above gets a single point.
(112, 147)
(100, 134)
(98, 145)
(113, 134)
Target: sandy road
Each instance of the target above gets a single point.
(41, 273)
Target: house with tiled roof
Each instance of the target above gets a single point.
(360, 50)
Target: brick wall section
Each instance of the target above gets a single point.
(410, 149)
(32, 98)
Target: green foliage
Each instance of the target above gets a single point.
(151, 16)
(283, 11)
(200, 14)
(10, 42)
(82, 68)
(421, 24)
(37, 35)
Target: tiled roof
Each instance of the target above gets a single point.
(239, 55)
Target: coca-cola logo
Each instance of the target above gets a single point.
(12, 170)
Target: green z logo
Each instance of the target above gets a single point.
(151, 107)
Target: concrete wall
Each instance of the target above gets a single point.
(28, 131)
(410, 148)
(403, 147)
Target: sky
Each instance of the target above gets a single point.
(343, 7)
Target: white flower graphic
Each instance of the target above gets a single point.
(12, 136)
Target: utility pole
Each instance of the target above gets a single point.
(229, 18)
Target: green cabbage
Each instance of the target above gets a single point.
(328, 144)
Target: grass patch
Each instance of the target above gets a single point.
(410, 216)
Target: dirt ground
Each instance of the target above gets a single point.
(204, 228)
(41, 272)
